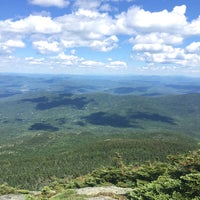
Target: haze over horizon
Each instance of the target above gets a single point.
(104, 37)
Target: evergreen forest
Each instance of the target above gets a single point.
(138, 132)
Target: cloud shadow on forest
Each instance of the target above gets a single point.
(77, 103)
(128, 90)
(106, 119)
(152, 117)
(128, 121)
(43, 127)
(44, 103)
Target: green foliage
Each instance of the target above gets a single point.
(68, 195)
(181, 180)
(191, 184)
(6, 189)
(118, 162)
(37, 158)
(176, 179)
(70, 126)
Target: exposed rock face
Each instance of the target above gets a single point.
(102, 193)
(100, 198)
(104, 189)
(92, 193)
(13, 197)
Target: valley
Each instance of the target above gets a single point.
(67, 126)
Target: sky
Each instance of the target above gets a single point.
(114, 37)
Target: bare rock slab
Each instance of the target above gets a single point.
(100, 198)
(105, 189)
(12, 197)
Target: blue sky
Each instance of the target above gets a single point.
(139, 37)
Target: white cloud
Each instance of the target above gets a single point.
(34, 61)
(193, 28)
(87, 4)
(158, 38)
(74, 61)
(31, 24)
(106, 7)
(48, 3)
(176, 57)
(4, 49)
(46, 47)
(137, 19)
(114, 65)
(194, 47)
(92, 29)
(102, 5)
(106, 45)
(73, 51)
(9, 45)
(87, 22)
(156, 47)
(117, 65)
(15, 43)
(92, 63)
(87, 13)
(69, 60)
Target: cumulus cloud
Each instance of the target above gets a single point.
(110, 65)
(9, 45)
(46, 47)
(106, 45)
(158, 38)
(15, 43)
(193, 28)
(152, 48)
(92, 63)
(49, 3)
(93, 29)
(155, 37)
(102, 5)
(194, 47)
(106, 7)
(175, 56)
(87, 4)
(34, 61)
(137, 19)
(70, 60)
(117, 65)
(87, 22)
(31, 24)
(74, 61)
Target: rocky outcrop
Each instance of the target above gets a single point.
(12, 197)
(103, 193)
(92, 193)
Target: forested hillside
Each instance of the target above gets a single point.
(176, 179)
(68, 126)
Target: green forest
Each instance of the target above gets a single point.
(54, 130)
(44, 156)
(178, 178)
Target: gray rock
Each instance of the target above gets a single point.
(100, 198)
(102, 193)
(12, 197)
(100, 190)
